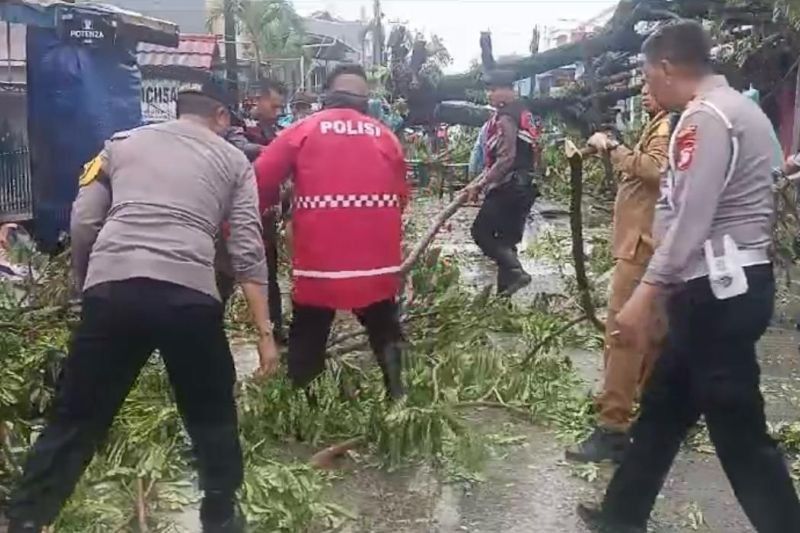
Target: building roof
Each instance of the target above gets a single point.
(195, 50)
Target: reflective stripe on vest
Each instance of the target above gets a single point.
(346, 274)
(735, 148)
(334, 201)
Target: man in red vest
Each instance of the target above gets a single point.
(349, 195)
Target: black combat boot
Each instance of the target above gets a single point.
(391, 363)
(24, 527)
(603, 445)
(595, 519)
(221, 514)
(518, 280)
(511, 277)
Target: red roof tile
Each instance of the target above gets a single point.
(194, 51)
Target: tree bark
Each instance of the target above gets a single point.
(465, 114)
(622, 40)
(578, 255)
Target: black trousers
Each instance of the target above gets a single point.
(122, 323)
(273, 289)
(709, 367)
(311, 327)
(500, 225)
(226, 284)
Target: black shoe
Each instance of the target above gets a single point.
(603, 445)
(592, 515)
(391, 363)
(24, 527)
(518, 280)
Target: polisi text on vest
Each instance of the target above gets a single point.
(349, 127)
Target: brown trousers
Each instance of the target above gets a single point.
(625, 369)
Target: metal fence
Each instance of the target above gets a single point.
(16, 195)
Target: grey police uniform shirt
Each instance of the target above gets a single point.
(156, 209)
(719, 183)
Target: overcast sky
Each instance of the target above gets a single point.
(459, 22)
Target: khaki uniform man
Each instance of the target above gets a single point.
(626, 367)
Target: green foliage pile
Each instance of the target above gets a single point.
(142, 475)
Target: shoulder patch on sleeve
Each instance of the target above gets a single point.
(685, 144)
(91, 170)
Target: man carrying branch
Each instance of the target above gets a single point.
(625, 367)
(511, 155)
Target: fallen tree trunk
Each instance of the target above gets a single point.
(571, 107)
(463, 113)
(624, 39)
(458, 86)
(548, 105)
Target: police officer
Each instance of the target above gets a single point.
(626, 368)
(350, 189)
(713, 267)
(511, 138)
(143, 228)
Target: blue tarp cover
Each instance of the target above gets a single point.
(78, 96)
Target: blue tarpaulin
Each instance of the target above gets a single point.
(78, 97)
(83, 86)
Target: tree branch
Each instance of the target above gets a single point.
(578, 255)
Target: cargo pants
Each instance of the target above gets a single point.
(626, 369)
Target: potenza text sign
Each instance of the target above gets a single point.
(87, 29)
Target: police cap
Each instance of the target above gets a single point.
(500, 78)
(213, 89)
